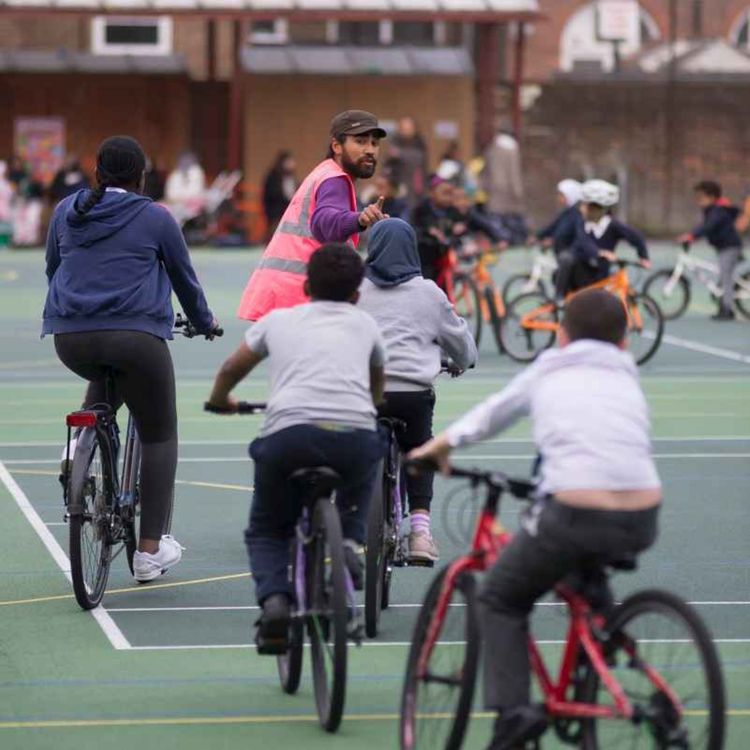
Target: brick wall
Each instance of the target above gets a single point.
(621, 131)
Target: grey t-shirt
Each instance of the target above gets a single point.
(319, 357)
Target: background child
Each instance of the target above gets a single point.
(718, 227)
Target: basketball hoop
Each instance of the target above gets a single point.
(617, 21)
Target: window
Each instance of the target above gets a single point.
(273, 31)
(309, 33)
(365, 33)
(740, 33)
(417, 33)
(580, 46)
(114, 35)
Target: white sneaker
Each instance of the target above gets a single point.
(146, 566)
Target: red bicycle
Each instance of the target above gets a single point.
(644, 675)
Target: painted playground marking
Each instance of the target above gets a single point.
(270, 719)
(465, 457)
(106, 623)
(715, 351)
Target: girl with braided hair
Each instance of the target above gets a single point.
(113, 259)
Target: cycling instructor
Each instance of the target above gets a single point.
(113, 259)
(323, 210)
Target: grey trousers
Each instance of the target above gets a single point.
(728, 260)
(556, 540)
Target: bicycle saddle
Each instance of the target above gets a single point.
(321, 478)
(392, 422)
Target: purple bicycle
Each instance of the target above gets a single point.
(324, 598)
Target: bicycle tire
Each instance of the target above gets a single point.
(520, 343)
(619, 630)
(517, 284)
(468, 303)
(376, 555)
(495, 319)
(412, 712)
(90, 546)
(644, 302)
(329, 616)
(742, 294)
(289, 665)
(680, 295)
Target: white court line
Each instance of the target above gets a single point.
(688, 439)
(106, 623)
(463, 456)
(695, 346)
(245, 608)
(401, 644)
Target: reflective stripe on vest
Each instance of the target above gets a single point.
(300, 228)
(280, 264)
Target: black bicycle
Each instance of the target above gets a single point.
(101, 503)
(324, 596)
(387, 546)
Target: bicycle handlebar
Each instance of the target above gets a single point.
(494, 480)
(243, 407)
(189, 331)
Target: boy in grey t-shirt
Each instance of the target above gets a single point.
(326, 374)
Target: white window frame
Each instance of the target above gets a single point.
(163, 46)
(279, 35)
(734, 32)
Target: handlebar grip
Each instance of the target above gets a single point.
(208, 406)
(245, 407)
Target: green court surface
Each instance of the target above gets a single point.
(169, 665)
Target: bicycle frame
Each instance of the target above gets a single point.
(618, 284)
(490, 538)
(704, 271)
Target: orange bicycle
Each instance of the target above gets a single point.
(532, 319)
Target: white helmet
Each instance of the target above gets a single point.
(601, 192)
(571, 189)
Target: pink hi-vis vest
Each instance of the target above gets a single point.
(279, 278)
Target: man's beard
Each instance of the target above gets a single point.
(359, 170)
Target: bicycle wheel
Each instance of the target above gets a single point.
(290, 664)
(468, 303)
(435, 706)
(673, 298)
(522, 342)
(655, 635)
(328, 617)
(376, 556)
(520, 283)
(742, 293)
(89, 508)
(495, 317)
(645, 327)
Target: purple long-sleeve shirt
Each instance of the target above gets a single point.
(332, 221)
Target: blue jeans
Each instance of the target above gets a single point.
(354, 454)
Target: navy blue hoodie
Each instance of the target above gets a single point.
(392, 255)
(114, 268)
(718, 225)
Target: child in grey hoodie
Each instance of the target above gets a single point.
(418, 323)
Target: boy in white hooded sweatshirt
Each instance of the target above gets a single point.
(600, 489)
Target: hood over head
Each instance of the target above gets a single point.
(392, 257)
(571, 189)
(114, 211)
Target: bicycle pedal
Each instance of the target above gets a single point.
(419, 563)
(272, 646)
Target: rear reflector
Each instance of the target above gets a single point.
(81, 419)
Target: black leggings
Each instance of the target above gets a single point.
(415, 408)
(144, 380)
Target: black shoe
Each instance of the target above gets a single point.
(272, 635)
(723, 314)
(515, 727)
(354, 564)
